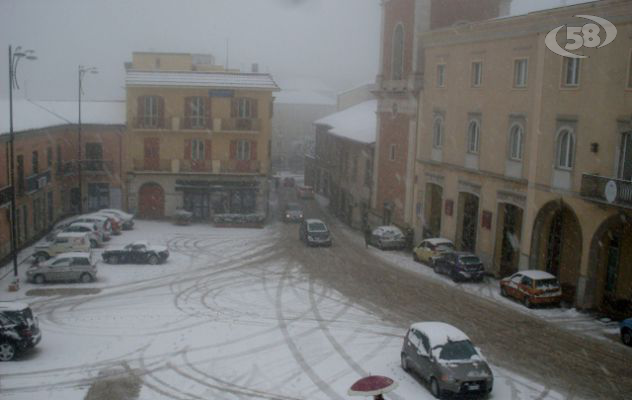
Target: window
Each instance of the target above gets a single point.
(391, 155)
(94, 157)
(441, 75)
(59, 160)
(570, 73)
(49, 157)
(398, 53)
(473, 137)
(98, 196)
(244, 108)
(20, 162)
(565, 149)
(368, 172)
(625, 157)
(35, 163)
(437, 133)
(196, 112)
(521, 73)
(630, 71)
(197, 150)
(477, 74)
(515, 142)
(150, 109)
(243, 150)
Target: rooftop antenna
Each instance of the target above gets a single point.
(226, 66)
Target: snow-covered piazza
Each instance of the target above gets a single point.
(253, 313)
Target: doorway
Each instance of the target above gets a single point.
(468, 219)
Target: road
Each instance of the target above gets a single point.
(253, 314)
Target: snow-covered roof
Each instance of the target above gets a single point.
(219, 80)
(440, 333)
(390, 230)
(437, 241)
(358, 123)
(84, 225)
(12, 306)
(537, 274)
(31, 114)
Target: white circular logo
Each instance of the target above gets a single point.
(582, 36)
(611, 191)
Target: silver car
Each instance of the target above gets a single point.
(80, 267)
(388, 237)
(445, 357)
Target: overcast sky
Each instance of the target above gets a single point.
(328, 43)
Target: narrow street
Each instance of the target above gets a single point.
(246, 313)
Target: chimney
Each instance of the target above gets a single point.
(255, 68)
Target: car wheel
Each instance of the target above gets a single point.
(93, 244)
(39, 279)
(626, 337)
(405, 366)
(85, 278)
(7, 351)
(113, 259)
(503, 291)
(435, 389)
(455, 277)
(527, 302)
(152, 260)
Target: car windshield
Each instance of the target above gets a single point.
(19, 316)
(293, 207)
(444, 247)
(470, 260)
(461, 350)
(316, 227)
(547, 283)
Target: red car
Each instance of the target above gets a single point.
(532, 288)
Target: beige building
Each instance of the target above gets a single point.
(525, 157)
(198, 137)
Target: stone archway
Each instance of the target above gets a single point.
(151, 201)
(556, 246)
(609, 284)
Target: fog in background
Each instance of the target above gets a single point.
(310, 44)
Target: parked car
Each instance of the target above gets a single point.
(289, 181)
(136, 253)
(91, 228)
(445, 357)
(460, 266)
(305, 192)
(77, 266)
(103, 223)
(314, 232)
(388, 237)
(429, 250)
(532, 287)
(626, 331)
(128, 219)
(19, 329)
(64, 242)
(116, 224)
(293, 213)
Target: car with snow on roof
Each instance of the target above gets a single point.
(446, 359)
(429, 250)
(141, 252)
(75, 266)
(62, 243)
(532, 287)
(127, 218)
(314, 232)
(388, 238)
(19, 329)
(460, 266)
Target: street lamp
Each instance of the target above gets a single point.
(14, 59)
(82, 71)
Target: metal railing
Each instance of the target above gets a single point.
(607, 190)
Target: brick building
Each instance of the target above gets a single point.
(399, 84)
(45, 163)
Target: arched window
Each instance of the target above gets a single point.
(398, 53)
(437, 133)
(515, 142)
(473, 137)
(565, 149)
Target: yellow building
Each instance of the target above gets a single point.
(525, 157)
(198, 137)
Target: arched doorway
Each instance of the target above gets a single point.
(433, 210)
(151, 201)
(508, 234)
(610, 267)
(467, 222)
(556, 246)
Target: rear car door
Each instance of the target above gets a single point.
(58, 270)
(525, 287)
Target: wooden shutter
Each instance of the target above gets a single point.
(187, 112)
(161, 111)
(140, 112)
(187, 149)
(207, 150)
(233, 149)
(253, 108)
(253, 150)
(208, 117)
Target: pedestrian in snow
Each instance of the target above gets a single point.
(367, 236)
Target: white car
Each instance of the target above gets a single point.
(64, 242)
(388, 237)
(77, 266)
(91, 228)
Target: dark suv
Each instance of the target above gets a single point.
(19, 330)
(314, 232)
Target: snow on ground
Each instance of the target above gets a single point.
(567, 318)
(229, 316)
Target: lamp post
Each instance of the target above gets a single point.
(14, 59)
(81, 72)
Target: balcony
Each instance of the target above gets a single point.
(96, 167)
(241, 124)
(240, 167)
(146, 122)
(604, 190)
(37, 181)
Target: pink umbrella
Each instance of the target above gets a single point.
(372, 386)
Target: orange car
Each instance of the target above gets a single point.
(532, 288)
